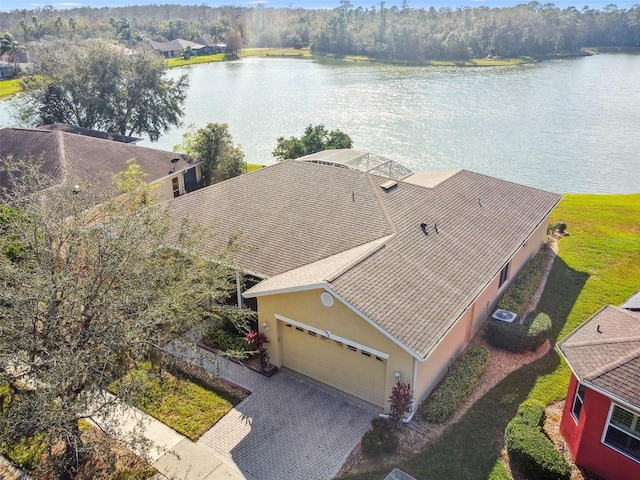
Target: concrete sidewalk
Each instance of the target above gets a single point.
(169, 452)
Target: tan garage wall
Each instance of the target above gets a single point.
(341, 366)
(335, 363)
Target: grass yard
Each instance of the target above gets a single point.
(249, 52)
(185, 406)
(598, 263)
(9, 87)
(252, 167)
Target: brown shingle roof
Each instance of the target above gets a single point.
(65, 127)
(415, 286)
(83, 157)
(605, 352)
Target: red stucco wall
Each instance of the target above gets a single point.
(584, 438)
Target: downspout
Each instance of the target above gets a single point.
(414, 407)
(239, 290)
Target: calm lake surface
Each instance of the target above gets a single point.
(565, 125)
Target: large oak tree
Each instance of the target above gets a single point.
(87, 292)
(101, 86)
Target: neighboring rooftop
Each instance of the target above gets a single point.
(633, 303)
(605, 352)
(65, 127)
(83, 157)
(362, 161)
(305, 224)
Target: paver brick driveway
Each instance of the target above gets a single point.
(290, 427)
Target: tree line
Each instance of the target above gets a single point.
(395, 33)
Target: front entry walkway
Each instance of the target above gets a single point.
(290, 427)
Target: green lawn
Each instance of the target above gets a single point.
(252, 167)
(185, 406)
(598, 263)
(9, 87)
(249, 52)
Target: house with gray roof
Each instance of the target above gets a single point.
(90, 158)
(600, 421)
(174, 48)
(360, 280)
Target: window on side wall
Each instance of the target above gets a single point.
(175, 185)
(578, 401)
(504, 275)
(623, 432)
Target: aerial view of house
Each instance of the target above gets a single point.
(361, 279)
(600, 418)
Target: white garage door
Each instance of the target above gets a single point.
(340, 364)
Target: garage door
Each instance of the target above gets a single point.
(340, 364)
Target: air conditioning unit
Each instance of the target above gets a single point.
(504, 315)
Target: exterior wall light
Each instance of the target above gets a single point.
(397, 376)
(265, 326)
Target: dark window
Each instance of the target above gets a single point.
(578, 400)
(504, 275)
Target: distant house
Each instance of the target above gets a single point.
(92, 157)
(601, 418)
(211, 47)
(175, 48)
(6, 70)
(361, 279)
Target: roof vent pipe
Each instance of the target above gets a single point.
(423, 226)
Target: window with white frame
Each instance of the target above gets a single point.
(578, 400)
(623, 432)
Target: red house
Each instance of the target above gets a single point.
(601, 418)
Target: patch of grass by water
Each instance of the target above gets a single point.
(9, 87)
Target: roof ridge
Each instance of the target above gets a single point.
(383, 207)
(62, 154)
(613, 365)
(366, 254)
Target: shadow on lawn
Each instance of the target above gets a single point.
(470, 448)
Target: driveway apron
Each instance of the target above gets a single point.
(290, 427)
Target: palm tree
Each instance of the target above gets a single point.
(9, 44)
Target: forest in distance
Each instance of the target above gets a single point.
(395, 34)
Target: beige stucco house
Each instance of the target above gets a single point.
(93, 157)
(359, 279)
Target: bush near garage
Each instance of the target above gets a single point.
(224, 335)
(530, 449)
(457, 385)
(516, 297)
(532, 332)
(380, 440)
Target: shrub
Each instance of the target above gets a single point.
(457, 385)
(530, 412)
(380, 440)
(224, 335)
(517, 296)
(561, 227)
(516, 337)
(401, 399)
(529, 447)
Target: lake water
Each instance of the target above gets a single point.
(564, 125)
